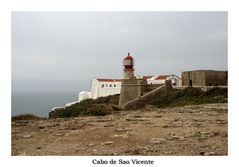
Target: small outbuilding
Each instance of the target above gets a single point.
(204, 78)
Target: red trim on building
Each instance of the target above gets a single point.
(108, 80)
(162, 77)
(147, 77)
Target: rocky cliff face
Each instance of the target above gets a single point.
(189, 130)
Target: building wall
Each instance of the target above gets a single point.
(94, 89)
(84, 95)
(204, 78)
(131, 89)
(128, 73)
(197, 78)
(214, 78)
(153, 81)
(175, 80)
(101, 89)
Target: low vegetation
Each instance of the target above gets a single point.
(26, 117)
(98, 107)
(108, 105)
(191, 96)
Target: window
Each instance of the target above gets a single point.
(102, 85)
(106, 85)
(114, 85)
(110, 85)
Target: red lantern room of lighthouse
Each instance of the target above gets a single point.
(128, 64)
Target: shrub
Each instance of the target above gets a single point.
(99, 110)
(216, 92)
(99, 106)
(190, 96)
(26, 117)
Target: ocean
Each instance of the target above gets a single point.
(40, 103)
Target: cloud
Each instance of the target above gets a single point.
(219, 33)
(78, 46)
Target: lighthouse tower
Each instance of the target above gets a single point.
(131, 87)
(128, 64)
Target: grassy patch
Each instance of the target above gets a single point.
(99, 107)
(190, 96)
(26, 117)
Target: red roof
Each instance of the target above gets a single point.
(128, 57)
(147, 77)
(162, 77)
(108, 80)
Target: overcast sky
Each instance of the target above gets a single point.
(66, 50)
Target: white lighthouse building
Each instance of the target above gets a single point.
(101, 87)
(105, 87)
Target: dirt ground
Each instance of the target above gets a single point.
(189, 130)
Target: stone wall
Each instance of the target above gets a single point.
(197, 78)
(214, 78)
(128, 73)
(131, 89)
(143, 100)
(204, 78)
(151, 87)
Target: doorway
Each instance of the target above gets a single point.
(190, 82)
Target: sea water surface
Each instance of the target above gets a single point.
(40, 103)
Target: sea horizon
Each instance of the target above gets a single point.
(40, 103)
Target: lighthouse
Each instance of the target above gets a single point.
(128, 64)
(131, 87)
